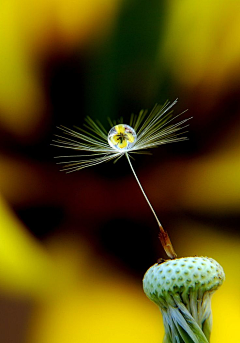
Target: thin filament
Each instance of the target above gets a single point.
(163, 236)
(145, 196)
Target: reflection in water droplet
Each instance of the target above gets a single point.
(122, 137)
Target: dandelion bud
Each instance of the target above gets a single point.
(182, 288)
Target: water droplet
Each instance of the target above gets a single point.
(122, 137)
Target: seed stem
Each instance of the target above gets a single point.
(163, 235)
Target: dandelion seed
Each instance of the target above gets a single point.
(145, 131)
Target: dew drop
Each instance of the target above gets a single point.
(122, 137)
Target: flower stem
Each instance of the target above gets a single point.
(163, 235)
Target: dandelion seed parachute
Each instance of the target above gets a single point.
(144, 131)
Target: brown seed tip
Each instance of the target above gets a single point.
(166, 243)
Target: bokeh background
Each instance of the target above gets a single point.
(74, 248)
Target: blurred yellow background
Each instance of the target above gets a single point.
(72, 258)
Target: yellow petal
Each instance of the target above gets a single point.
(26, 268)
(123, 144)
(70, 316)
(120, 128)
(114, 139)
(130, 137)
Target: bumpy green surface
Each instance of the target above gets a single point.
(182, 288)
(182, 274)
